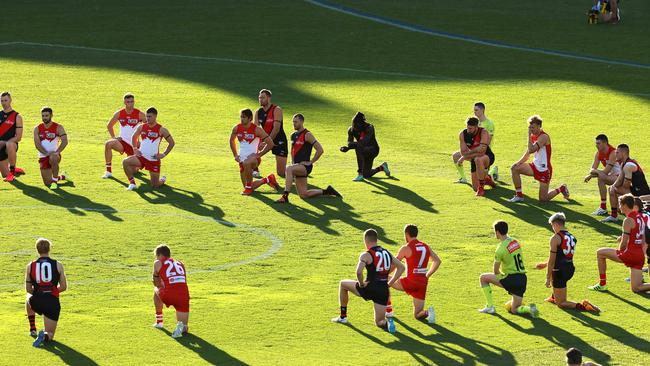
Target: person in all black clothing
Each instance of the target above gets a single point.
(44, 281)
(378, 263)
(365, 146)
(302, 142)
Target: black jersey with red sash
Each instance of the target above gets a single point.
(379, 269)
(300, 148)
(639, 184)
(566, 250)
(267, 119)
(8, 125)
(474, 141)
(45, 275)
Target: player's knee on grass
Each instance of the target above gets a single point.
(455, 157)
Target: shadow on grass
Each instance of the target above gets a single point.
(560, 337)
(613, 331)
(75, 204)
(631, 303)
(537, 213)
(440, 351)
(206, 350)
(400, 193)
(332, 209)
(68, 355)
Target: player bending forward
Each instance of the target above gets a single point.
(170, 289)
(379, 263)
(418, 255)
(509, 273)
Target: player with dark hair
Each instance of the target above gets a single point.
(475, 147)
(148, 154)
(50, 140)
(508, 273)
(539, 143)
(11, 132)
(631, 180)
(574, 358)
(488, 124)
(379, 263)
(630, 249)
(269, 117)
(417, 255)
(44, 280)
(302, 142)
(249, 156)
(560, 268)
(130, 118)
(170, 289)
(605, 155)
(365, 147)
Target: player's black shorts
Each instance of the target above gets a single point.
(562, 275)
(515, 284)
(639, 191)
(46, 305)
(490, 154)
(280, 148)
(3, 153)
(308, 168)
(377, 291)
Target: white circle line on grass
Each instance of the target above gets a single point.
(276, 243)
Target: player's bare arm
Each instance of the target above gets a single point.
(317, 146)
(64, 139)
(542, 141)
(111, 123)
(29, 286)
(63, 280)
(628, 225)
(398, 271)
(611, 162)
(482, 147)
(233, 144)
(19, 130)
(157, 282)
(266, 139)
(277, 122)
(364, 259)
(435, 263)
(404, 252)
(497, 268)
(170, 143)
(134, 140)
(554, 244)
(37, 142)
(593, 172)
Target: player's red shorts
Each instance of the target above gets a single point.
(631, 259)
(152, 166)
(542, 177)
(178, 298)
(128, 149)
(417, 288)
(241, 166)
(45, 162)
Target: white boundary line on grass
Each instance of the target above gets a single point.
(460, 37)
(276, 243)
(256, 62)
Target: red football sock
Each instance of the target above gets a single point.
(159, 317)
(32, 322)
(132, 180)
(265, 180)
(603, 279)
(614, 212)
(109, 167)
(603, 204)
(518, 192)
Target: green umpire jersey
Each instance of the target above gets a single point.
(510, 255)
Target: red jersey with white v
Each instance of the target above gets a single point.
(542, 158)
(48, 138)
(128, 124)
(150, 138)
(248, 141)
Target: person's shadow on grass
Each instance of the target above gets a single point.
(68, 355)
(537, 213)
(631, 303)
(75, 204)
(560, 337)
(613, 331)
(402, 194)
(206, 350)
(477, 351)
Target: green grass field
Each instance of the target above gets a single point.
(264, 278)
